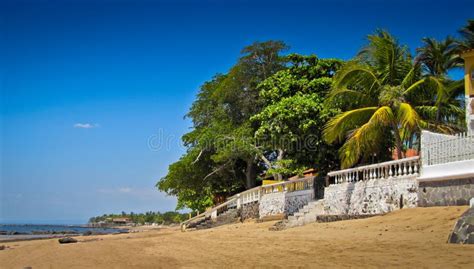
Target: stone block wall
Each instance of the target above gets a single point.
(445, 192)
(271, 204)
(370, 197)
(296, 200)
(250, 211)
(283, 202)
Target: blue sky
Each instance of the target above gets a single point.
(86, 86)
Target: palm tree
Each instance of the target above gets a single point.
(467, 33)
(386, 96)
(378, 83)
(438, 57)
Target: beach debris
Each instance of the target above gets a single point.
(14, 233)
(67, 240)
(279, 226)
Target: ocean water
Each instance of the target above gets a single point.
(30, 231)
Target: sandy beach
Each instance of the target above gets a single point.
(406, 238)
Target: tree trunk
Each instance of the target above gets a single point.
(250, 175)
(438, 114)
(281, 153)
(398, 142)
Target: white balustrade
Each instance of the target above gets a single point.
(249, 196)
(252, 195)
(289, 186)
(408, 167)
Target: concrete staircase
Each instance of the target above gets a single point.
(307, 214)
(227, 217)
(195, 224)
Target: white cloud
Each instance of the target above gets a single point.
(125, 189)
(85, 125)
(117, 190)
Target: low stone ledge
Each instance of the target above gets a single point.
(332, 218)
(448, 192)
(272, 217)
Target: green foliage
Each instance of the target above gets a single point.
(467, 34)
(306, 74)
(438, 57)
(289, 126)
(382, 88)
(221, 157)
(286, 168)
(169, 217)
(269, 113)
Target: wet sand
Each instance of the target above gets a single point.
(406, 238)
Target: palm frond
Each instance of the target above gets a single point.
(427, 112)
(351, 96)
(407, 117)
(467, 32)
(354, 74)
(337, 128)
(414, 86)
(361, 140)
(387, 56)
(438, 57)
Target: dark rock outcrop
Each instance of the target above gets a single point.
(67, 240)
(65, 232)
(279, 226)
(15, 233)
(40, 232)
(463, 232)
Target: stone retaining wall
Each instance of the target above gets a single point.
(445, 192)
(272, 204)
(249, 211)
(370, 197)
(296, 200)
(283, 202)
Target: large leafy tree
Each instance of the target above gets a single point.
(290, 125)
(221, 157)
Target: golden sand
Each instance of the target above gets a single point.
(414, 238)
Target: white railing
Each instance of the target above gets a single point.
(245, 197)
(289, 186)
(440, 148)
(408, 167)
(252, 195)
(209, 213)
(249, 196)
